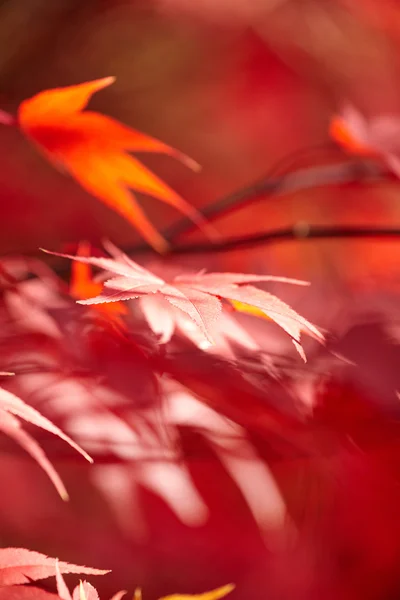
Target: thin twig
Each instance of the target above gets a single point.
(301, 231)
(352, 171)
(307, 178)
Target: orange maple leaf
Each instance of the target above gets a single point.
(374, 137)
(350, 131)
(83, 286)
(340, 133)
(93, 148)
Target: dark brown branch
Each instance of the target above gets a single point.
(352, 171)
(310, 177)
(299, 232)
(324, 175)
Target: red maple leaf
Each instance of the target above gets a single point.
(197, 297)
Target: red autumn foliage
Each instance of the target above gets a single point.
(375, 137)
(214, 453)
(93, 148)
(198, 296)
(18, 565)
(10, 406)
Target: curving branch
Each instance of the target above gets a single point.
(340, 173)
(352, 171)
(301, 231)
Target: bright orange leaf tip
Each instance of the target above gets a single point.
(290, 326)
(83, 286)
(350, 130)
(94, 148)
(340, 132)
(213, 595)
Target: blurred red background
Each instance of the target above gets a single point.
(238, 86)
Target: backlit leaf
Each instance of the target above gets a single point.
(119, 595)
(85, 591)
(11, 407)
(94, 148)
(197, 297)
(375, 137)
(18, 565)
(350, 130)
(83, 286)
(12, 427)
(62, 589)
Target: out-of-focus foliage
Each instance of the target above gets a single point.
(237, 462)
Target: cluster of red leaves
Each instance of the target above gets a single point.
(121, 387)
(124, 397)
(151, 351)
(19, 566)
(193, 299)
(56, 347)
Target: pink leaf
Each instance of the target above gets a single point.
(18, 565)
(119, 595)
(12, 427)
(18, 592)
(197, 296)
(14, 405)
(10, 407)
(377, 136)
(62, 589)
(159, 316)
(218, 279)
(202, 309)
(123, 266)
(85, 591)
(277, 310)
